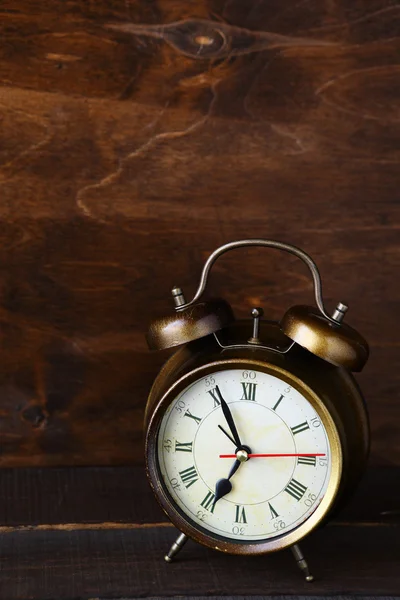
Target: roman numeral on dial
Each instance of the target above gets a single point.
(307, 460)
(299, 428)
(215, 395)
(279, 401)
(273, 512)
(189, 476)
(183, 446)
(208, 502)
(240, 516)
(296, 489)
(189, 414)
(249, 391)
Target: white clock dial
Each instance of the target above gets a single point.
(288, 470)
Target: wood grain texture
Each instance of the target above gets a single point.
(234, 597)
(98, 533)
(128, 153)
(115, 497)
(99, 564)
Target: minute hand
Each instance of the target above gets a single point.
(231, 422)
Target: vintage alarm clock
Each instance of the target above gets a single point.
(256, 432)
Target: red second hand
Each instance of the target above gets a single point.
(270, 455)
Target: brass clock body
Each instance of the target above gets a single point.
(312, 355)
(331, 389)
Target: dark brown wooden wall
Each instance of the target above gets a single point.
(128, 154)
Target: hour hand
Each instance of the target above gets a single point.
(234, 468)
(224, 486)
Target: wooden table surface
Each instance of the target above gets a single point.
(98, 533)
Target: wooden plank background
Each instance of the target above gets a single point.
(127, 156)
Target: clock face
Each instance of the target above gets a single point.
(286, 457)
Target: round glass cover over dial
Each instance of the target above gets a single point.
(285, 476)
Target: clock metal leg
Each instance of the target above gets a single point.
(176, 547)
(301, 562)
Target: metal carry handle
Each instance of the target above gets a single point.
(340, 309)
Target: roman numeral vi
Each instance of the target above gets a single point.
(240, 516)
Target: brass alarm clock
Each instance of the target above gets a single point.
(256, 431)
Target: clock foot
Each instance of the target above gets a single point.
(176, 547)
(301, 562)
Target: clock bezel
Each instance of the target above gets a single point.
(205, 537)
